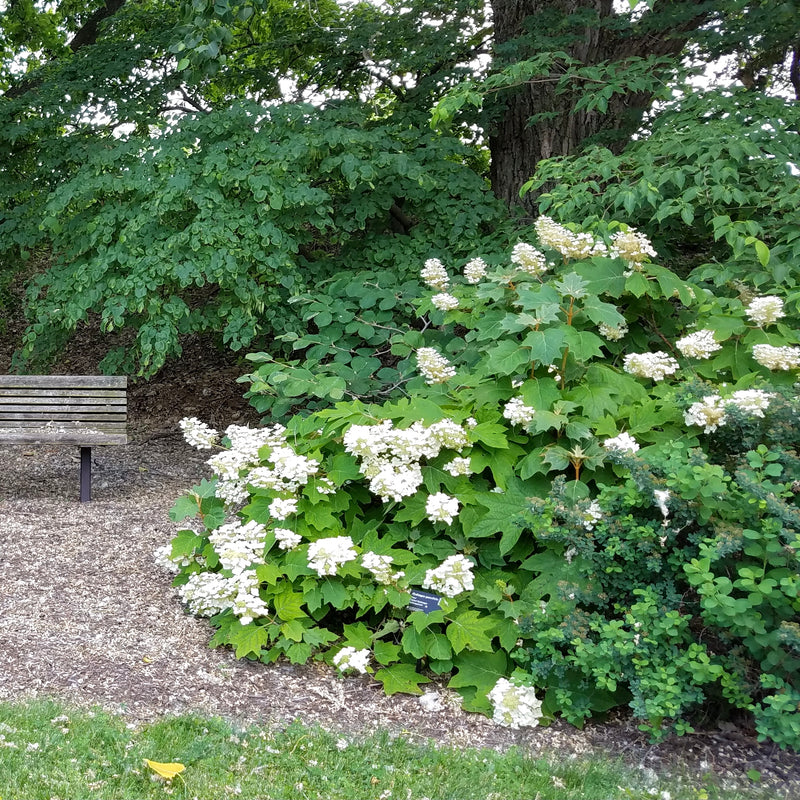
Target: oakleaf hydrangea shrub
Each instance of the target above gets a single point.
(457, 528)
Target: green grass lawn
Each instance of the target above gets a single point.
(48, 751)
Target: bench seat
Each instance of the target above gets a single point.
(82, 410)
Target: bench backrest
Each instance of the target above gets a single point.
(67, 409)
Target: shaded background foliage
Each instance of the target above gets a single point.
(99, 96)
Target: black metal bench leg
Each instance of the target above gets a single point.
(86, 474)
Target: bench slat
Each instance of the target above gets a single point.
(44, 408)
(100, 425)
(61, 416)
(105, 395)
(63, 381)
(87, 438)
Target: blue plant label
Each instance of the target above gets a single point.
(423, 601)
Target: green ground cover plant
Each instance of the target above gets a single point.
(50, 751)
(565, 411)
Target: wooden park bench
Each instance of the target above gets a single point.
(83, 410)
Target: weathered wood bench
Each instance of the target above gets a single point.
(83, 410)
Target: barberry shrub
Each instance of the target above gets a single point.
(509, 520)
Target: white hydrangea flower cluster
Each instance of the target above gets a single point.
(286, 539)
(164, 559)
(777, 358)
(435, 368)
(381, 568)
(517, 413)
(765, 310)
(198, 434)
(515, 706)
(289, 471)
(592, 515)
(708, 413)
(458, 466)
(350, 658)
(613, 332)
(633, 247)
(209, 593)
(452, 577)
(239, 546)
(440, 507)
(326, 555)
(390, 456)
(435, 275)
(751, 401)
(444, 301)
(624, 442)
(233, 464)
(650, 365)
(569, 244)
(700, 344)
(529, 259)
(475, 270)
(282, 507)
(661, 496)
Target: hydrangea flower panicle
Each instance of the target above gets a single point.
(515, 706)
(452, 577)
(650, 365)
(198, 434)
(517, 413)
(623, 441)
(326, 555)
(633, 247)
(765, 311)
(475, 270)
(612, 332)
(286, 539)
(708, 413)
(435, 368)
(529, 259)
(777, 358)
(381, 568)
(444, 301)
(700, 344)
(751, 401)
(440, 507)
(350, 658)
(435, 275)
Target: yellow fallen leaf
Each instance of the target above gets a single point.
(166, 771)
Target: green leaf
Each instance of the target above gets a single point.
(186, 543)
(545, 346)
(481, 670)
(400, 678)
(186, 506)
(247, 639)
(470, 630)
(501, 511)
(289, 605)
(506, 358)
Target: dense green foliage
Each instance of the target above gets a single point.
(541, 373)
(100, 101)
(217, 226)
(714, 183)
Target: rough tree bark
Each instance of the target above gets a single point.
(516, 143)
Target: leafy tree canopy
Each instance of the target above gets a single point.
(142, 144)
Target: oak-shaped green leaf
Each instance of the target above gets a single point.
(470, 630)
(401, 678)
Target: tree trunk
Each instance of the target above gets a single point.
(517, 143)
